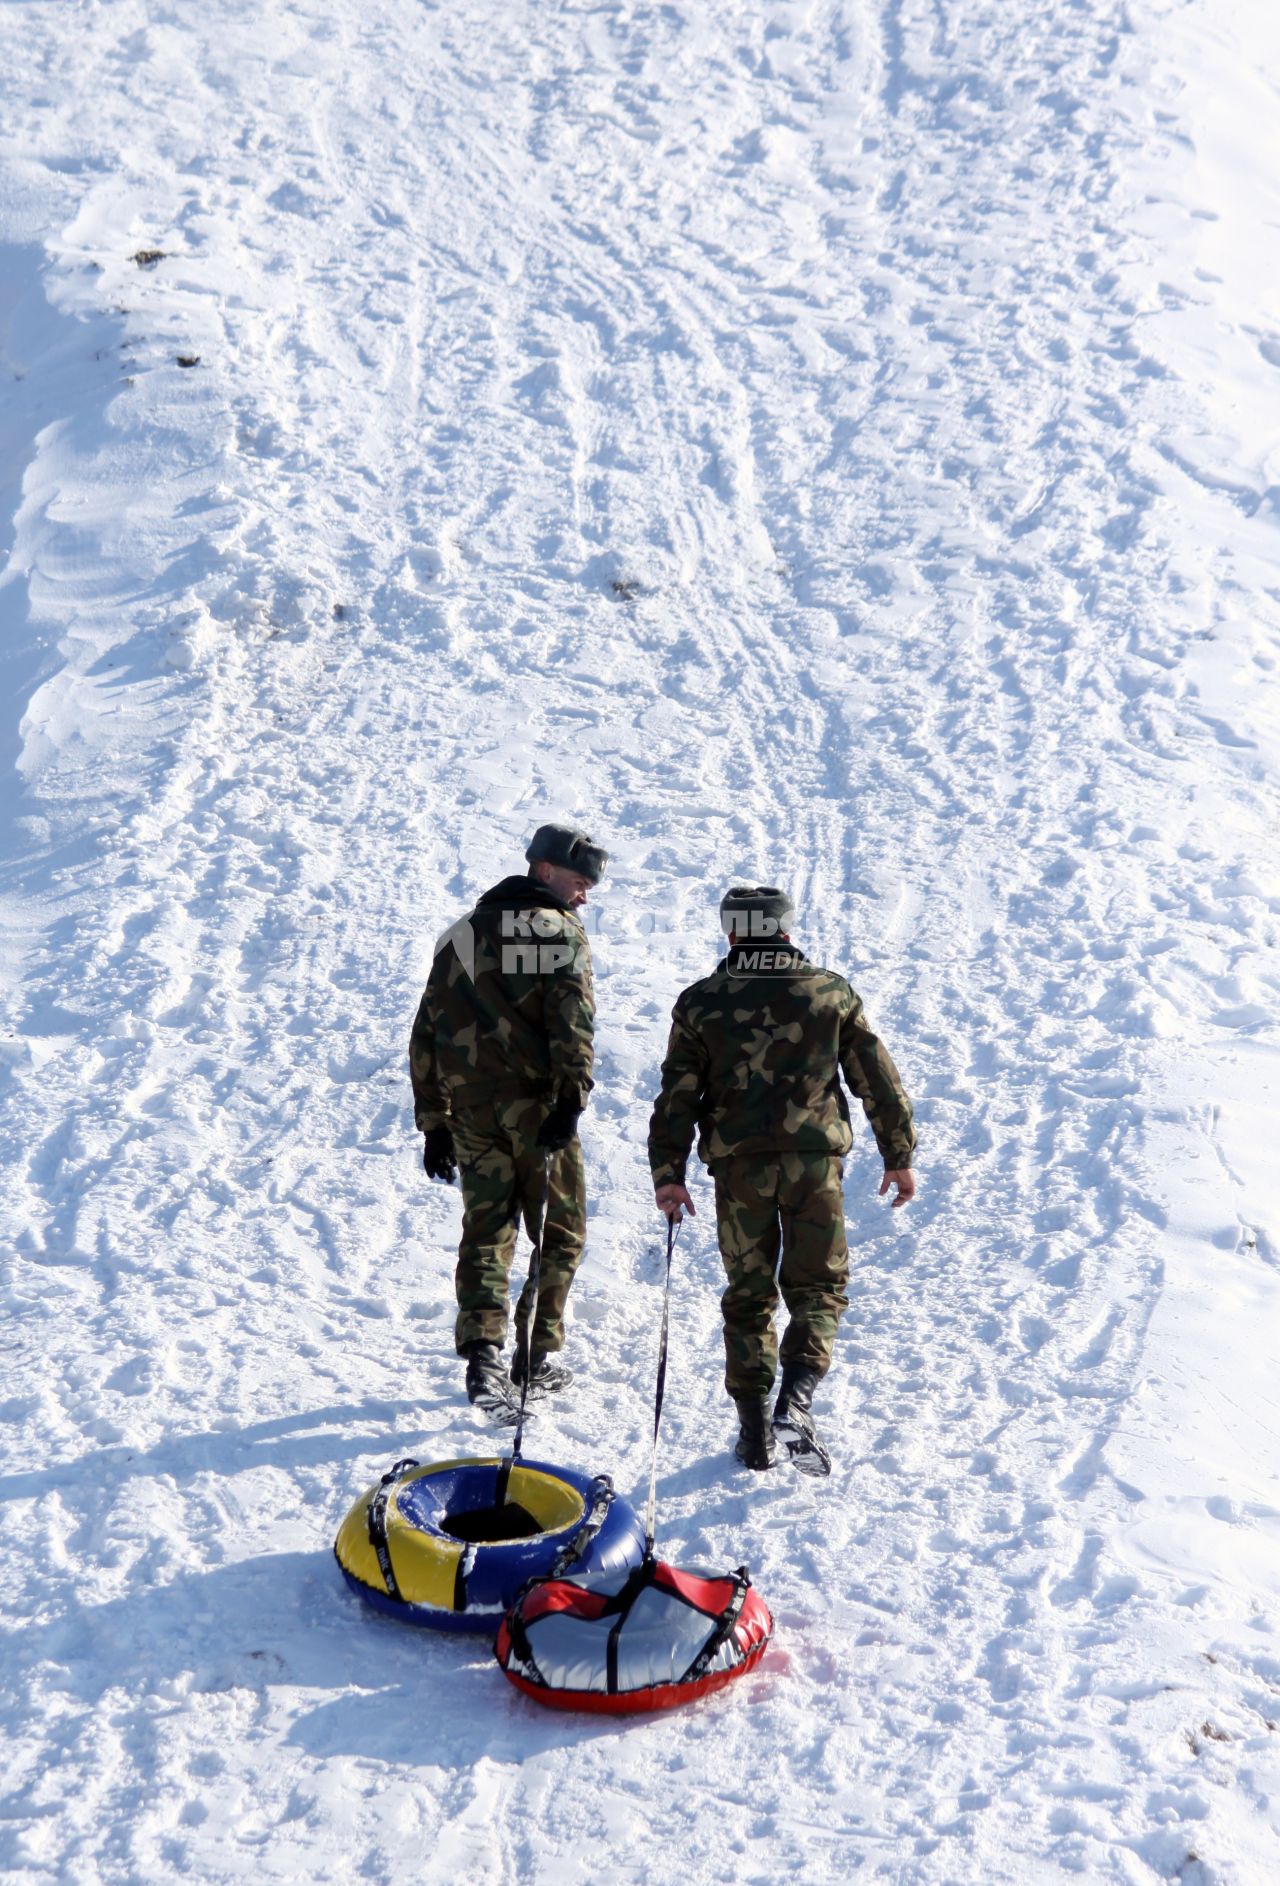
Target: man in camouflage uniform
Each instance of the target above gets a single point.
(501, 1057)
(753, 1067)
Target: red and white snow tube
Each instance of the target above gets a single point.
(621, 1643)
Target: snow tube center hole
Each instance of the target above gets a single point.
(489, 1525)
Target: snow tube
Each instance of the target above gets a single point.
(618, 1643)
(450, 1545)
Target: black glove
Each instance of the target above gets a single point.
(560, 1124)
(438, 1158)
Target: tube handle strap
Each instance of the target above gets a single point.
(724, 1628)
(466, 1565)
(378, 1524)
(640, 1578)
(602, 1498)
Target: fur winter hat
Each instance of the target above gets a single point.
(565, 845)
(756, 913)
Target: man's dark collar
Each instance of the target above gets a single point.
(523, 893)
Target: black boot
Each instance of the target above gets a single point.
(755, 1447)
(486, 1382)
(793, 1419)
(545, 1378)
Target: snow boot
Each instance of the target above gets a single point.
(545, 1378)
(486, 1383)
(755, 1436)
(793, 1420)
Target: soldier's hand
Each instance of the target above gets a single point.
(904, 1179)
(673, 1201)
(560, 1125)
(439, 1160)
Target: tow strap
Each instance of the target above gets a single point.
(528, 1295)
(651, 1509)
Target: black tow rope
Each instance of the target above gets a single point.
(651, 1510)
(529, 1294)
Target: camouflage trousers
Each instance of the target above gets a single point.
(788, 1205)
(505, 1178)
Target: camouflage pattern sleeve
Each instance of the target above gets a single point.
(870, 1074)
(570, 1016)
(674, 1120)
(430, 1101)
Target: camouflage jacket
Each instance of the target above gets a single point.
(508, 1010)
(753, 1065)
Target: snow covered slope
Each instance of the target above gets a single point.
(829, 440)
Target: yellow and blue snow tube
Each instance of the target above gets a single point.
(450, 1545)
